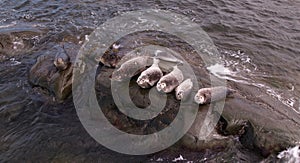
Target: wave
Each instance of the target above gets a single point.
(238, 67)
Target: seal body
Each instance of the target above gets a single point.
(184, 89)
(130, 68)
(207, 95)
(138, 64)
(170, 81)
(150, 76)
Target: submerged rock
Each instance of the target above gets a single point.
(44, 72)
(17, 39)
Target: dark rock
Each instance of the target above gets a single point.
(15, 40)
(258, 127)
(270, 129)
(256, 123)
(45, 74)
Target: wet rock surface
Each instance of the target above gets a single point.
(258, 124)
(34, 127)
(269, 126)
(18, 39)
(45, 74)
(249, 126)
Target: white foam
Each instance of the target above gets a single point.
(116, 46)
(219, 69)
(180, 158)
(14, 62)
(159, 160)
(238, 67)
(291, 155)
(8, 25)
(86, 37)
(18, 44)
(223, 72)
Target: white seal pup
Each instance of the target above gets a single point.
(184, 89)
(170, 81)
(207, 95)
(150, 76)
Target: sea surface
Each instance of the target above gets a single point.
(258, 41)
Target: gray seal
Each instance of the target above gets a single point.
(207, 95)
(184, 89)
(170, 81)
(150, 76)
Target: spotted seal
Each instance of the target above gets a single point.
(170, 81)
(151, 75)
(130, 68)
(138, 63)
(184, 89)
(207, 95)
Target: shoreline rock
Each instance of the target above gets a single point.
(44, 73)
(260, 124)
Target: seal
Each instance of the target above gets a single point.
(184, 89)
(138, 63)
(61, 60)
(170, 81)
(207, 95)
(130, 68)
(150, 76)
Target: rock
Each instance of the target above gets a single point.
(139, 97)
(257, 126)
(214, 141)
(264, 127)
(256, 123)
(17, 39)
(45, 74)
(128, 43)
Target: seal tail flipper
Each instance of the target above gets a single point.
(165, 58)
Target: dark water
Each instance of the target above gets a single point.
(266, 32)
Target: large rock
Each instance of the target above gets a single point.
(259, 123)
(269, 125)
(44, 73)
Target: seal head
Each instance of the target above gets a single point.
(170, 81)
(207, 95)
(150, 76)
(61, 60)
(184, 89)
